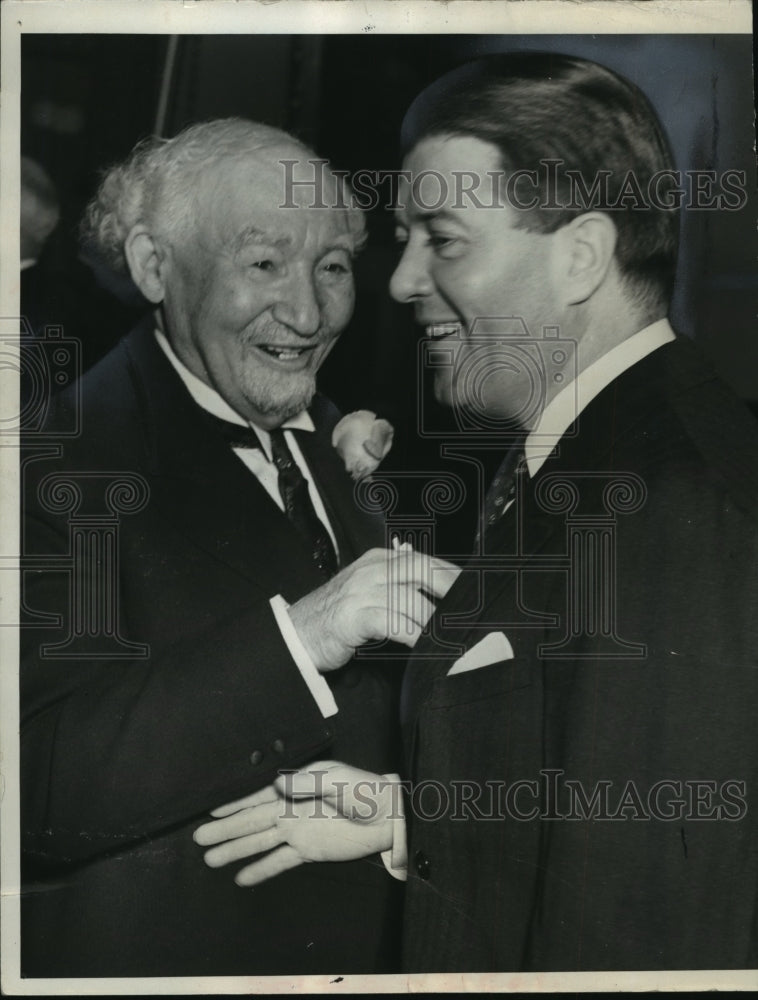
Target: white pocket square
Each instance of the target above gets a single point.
(491, 649)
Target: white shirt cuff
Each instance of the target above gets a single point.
(317, 686)
(396, 858)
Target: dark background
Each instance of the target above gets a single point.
(86, 99)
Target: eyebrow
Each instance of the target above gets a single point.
(347, 241)
(424, 214)
(351, 243)
(252, 234)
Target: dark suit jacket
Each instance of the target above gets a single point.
(664, 884)
(126, 748)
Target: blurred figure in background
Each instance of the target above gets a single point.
(40, 214)
(40, 211)
(62, 286)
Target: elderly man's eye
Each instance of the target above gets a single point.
(437, 240)
(337, 267)
(263, 265)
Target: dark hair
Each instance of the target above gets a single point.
(536, 106)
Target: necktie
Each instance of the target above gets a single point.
(502, 490)
(293, 489)
(298, 505)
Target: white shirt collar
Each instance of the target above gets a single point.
(564, 408)
(210, 400)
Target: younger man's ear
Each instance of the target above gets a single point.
(146, 263)
(588, 246)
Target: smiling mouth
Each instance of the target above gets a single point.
(285, 353)
(436, 331)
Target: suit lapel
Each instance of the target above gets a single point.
(486, 597)
(204, 490)
(473, 608)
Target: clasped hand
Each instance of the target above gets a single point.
(382, 595)
(325, 812)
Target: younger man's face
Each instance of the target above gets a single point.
(463, 264)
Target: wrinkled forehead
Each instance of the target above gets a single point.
(282, 191)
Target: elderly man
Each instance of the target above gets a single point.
(580, 775)
(189, 530)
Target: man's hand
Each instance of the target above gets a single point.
(379, 596)
(326, 812)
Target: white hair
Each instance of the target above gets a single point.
(156, 185)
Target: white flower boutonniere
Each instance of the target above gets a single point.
(362, 441)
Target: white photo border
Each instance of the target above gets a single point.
(504, 17)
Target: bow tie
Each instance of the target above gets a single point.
(235, 435)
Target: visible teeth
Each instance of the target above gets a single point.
(283, 353)
(442, 330)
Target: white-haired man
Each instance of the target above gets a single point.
(209, 568)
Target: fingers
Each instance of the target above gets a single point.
(278, 861)
(331, 780)
(401, 566)
(407, 633)
(293, 828)
(383, 594)
(444, 575)
(416, 569)
(409, 611)
(243, 847)
(247, 821)
(267, 794)
(360, 796)
(350, 791)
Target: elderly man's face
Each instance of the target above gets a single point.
(461, 264)
(255, 303)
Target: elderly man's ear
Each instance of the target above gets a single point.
(587, 247)
(147, 263)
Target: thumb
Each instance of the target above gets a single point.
(309, 782)
(345, 787)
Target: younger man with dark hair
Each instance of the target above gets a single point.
(589, 758)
